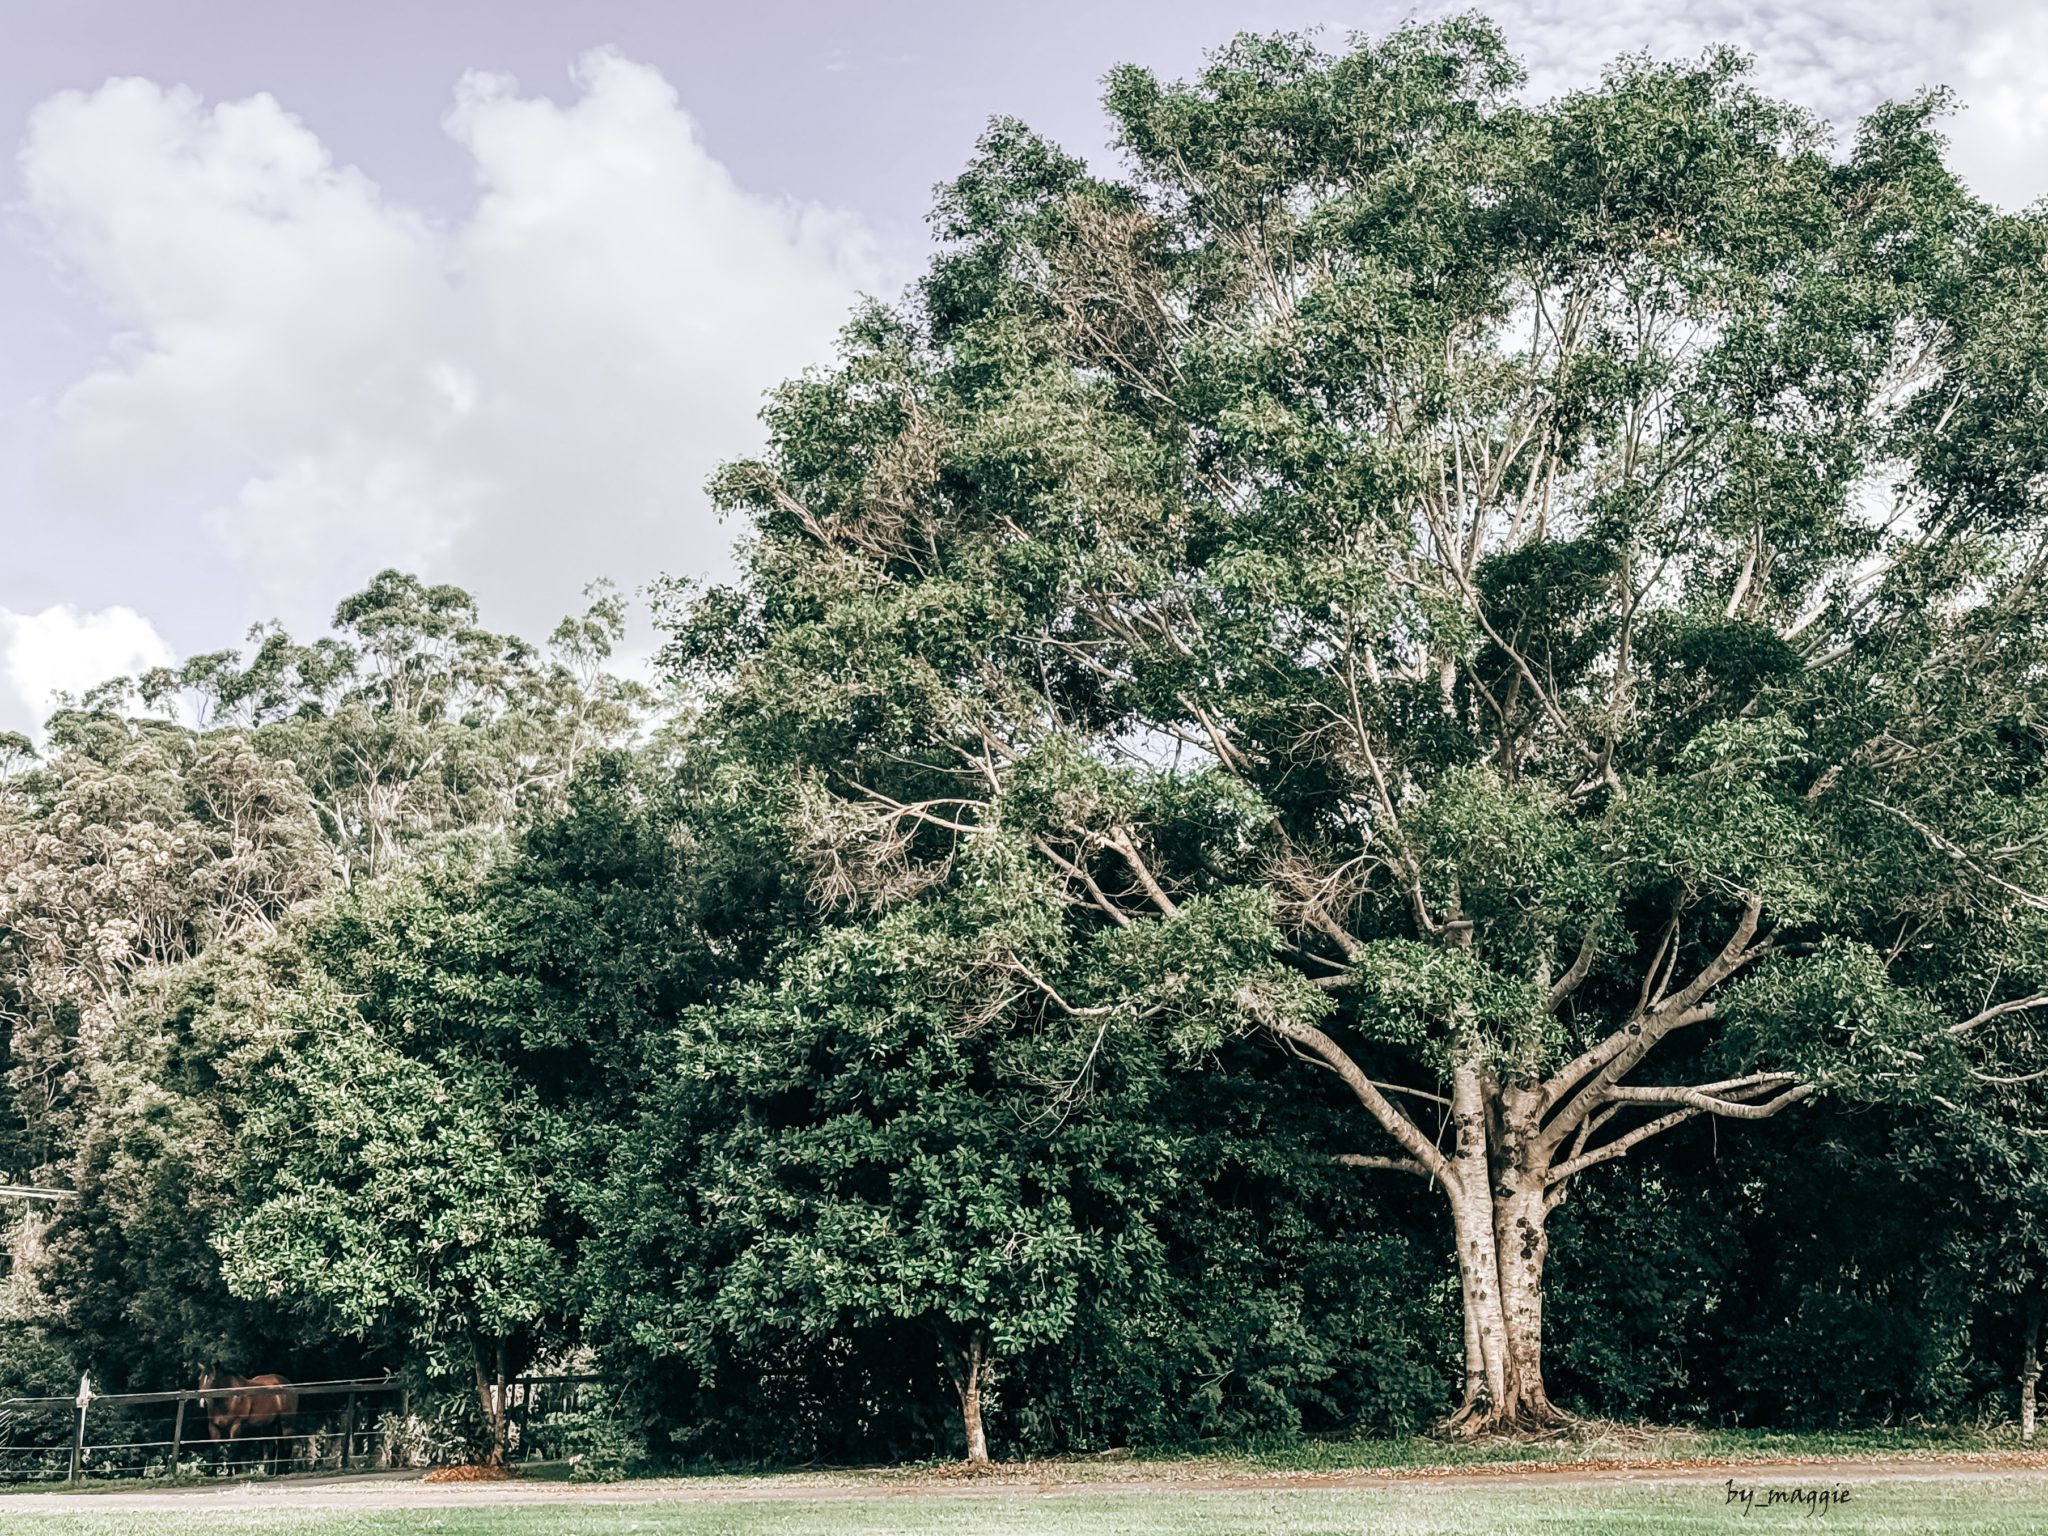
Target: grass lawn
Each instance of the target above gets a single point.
(1593, 1442)
(2008, 1507)
(1209, 1489)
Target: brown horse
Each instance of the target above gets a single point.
(262, 1410)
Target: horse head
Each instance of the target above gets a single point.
(214, 1374)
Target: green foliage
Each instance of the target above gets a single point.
(600, 1447)
(128, 1270)
(1770, 1281)
(862, 1146)
(1391, 501)
(398, 1180)
(32, 1363)
(145, 871)
(1395, 565)
(1454, 573)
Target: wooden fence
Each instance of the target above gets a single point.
(339, 1426)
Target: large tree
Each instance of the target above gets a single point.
(138, 847)
(1537, 610)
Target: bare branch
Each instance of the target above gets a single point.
(1412, 1093)
(1109, 908)
(1312, 1042)
(2026, 898)
(1662, 1093)
(1617, 1055)
(1735, 954)
(1390, 1164)
(1658, 975)
(1581, 967)
(921, 810)
(1726, 1108)
(1619, 1147)
(1128, 849)
(1988, 1014)
(1052, 993)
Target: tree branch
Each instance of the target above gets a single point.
(2026, 898)
(1988, 1014)
(1617, 1055)
(1313, 1042)
(1581, 967)
(1115, 913)
(1751, 1080)
(1735, 954)
(1391, 1164)
(1128, 850)
(1728, 1109)
(1714, 1098)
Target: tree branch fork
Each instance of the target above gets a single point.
(1563, 1113)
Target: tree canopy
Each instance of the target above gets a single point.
(1473, 591)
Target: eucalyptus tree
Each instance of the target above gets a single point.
(412, 719)
(135, 847)
(1535, 610)
(187, 806)
(175, 826)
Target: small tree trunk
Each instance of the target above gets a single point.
(967, 1364)
(503, 1433)
(2030, 1366)
(490, 1394)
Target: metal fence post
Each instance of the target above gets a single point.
(177, 1436)
(348, 1429)
(78, 1430)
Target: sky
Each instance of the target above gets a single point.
(293, 290)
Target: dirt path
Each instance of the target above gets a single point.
(406, 1491)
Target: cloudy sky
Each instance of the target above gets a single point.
(485, 288)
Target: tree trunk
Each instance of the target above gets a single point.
(2030, 1366)
(967, 1363)
(1521, 1245)
(490, 1392)
(1499, 1213)
(1518, 1144)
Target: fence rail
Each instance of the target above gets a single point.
(142, 1434)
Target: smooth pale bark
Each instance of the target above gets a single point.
(2030, 1366)
(1511, 1162)
(1499, 1202)
(1521, 1245)
(1517, 1145)
(967, 1363)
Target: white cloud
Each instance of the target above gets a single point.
(305, 379)
(61, 650)
(2001, 135)
(1838, 57)
(521, 399)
